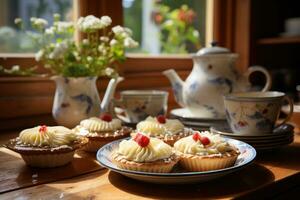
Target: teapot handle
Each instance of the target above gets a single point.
(268, 83)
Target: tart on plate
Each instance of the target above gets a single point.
(101, 130)
(204, 151)
(168, 130)
(146, 154)
(46, 146)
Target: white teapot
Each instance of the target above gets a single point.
(213, 75)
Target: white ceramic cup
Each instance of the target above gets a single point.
(135, 105)
(255, 113)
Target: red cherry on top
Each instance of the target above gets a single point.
(204, 140)
(43, 129)
(106, 117)
(141, 139)
(161, 119)
(196, 136)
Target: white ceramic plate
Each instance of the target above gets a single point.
(247, 155)
(185, 114)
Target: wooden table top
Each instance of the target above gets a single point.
(273, 174)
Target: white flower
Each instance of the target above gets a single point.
(18, 21)
(106, 20)
(109, 71)
(113, 42)
(169, 23)
(118, 30)
(125, 34)
(39, 55)
(39, 22)
(63, 26)
(104, 39)
(50, 31)
(85, 42)
(89, 23)
(59, 50)
(89, 59)
(101, 48)
(32, 19)
(15, 68)
(130, 43)
(56, 17)
(76, 55)
(195, 33)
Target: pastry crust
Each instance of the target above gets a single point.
(159, 166)
(209, 162)
(97, 140)
(46, 156)
(27, 149)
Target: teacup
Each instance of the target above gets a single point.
(255, 113)
(135, 105)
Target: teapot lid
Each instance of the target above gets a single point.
(214, 49)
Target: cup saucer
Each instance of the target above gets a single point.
(185, 114)
(281, 136)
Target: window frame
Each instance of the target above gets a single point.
(135, 63)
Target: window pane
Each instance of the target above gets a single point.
(166, 26)
(13, 40)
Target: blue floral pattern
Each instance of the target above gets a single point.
(222, 81)
(84, 99)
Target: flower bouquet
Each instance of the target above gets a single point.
(96, 55)
(75, 65)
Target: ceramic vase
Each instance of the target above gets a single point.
(75, 99)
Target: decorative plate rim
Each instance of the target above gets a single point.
(178, 174)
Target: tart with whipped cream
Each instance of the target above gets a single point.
(144, 153)
(204, 151)
(101, 130)
(46, 146)
(168, 130)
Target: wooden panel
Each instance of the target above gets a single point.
(24, 106)
(232, 28)
(18, 123)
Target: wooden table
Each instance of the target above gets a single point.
(273, 174)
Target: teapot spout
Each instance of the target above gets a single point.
(177, 85)
(109, 93)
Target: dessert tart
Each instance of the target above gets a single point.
(44, 146)
(101, 130)
(168, 130)
(143, 153)
(205, 151)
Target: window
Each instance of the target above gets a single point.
(167, 26)
(13, 40)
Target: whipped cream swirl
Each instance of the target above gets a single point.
(95, 124)
(217, 146)
(152, 127)
(155, 150)
(52, 136)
